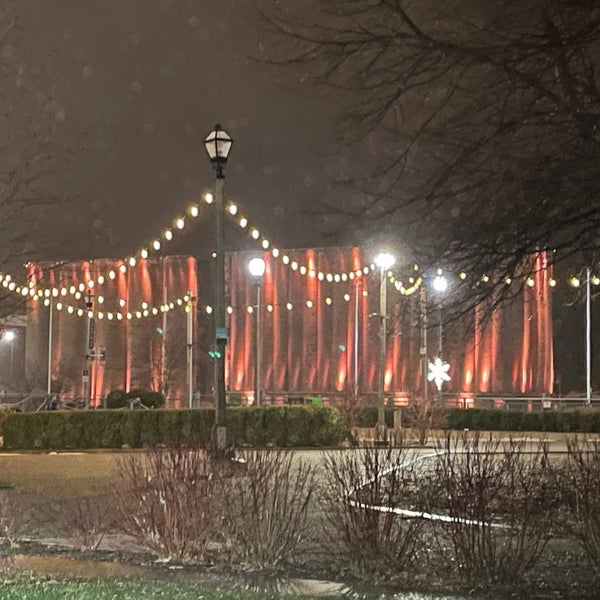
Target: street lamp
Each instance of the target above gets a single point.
(218, 146)
(440, 285)
(89, 351)
(256, 267)
(384, 261)
(10, 336)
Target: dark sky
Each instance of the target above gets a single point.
(132, 87)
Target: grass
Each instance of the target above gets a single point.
(21, 587)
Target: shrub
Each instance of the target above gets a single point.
(500, 500)
(266, 508)
(361, 490)
(122, 399)
(83, 521)
(582, 495)
(164, 500)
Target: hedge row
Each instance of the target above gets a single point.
(495, 420)
(280, 426)
(504, 420)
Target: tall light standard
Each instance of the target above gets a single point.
(89, 350)
(384, 261)
(440, 285)
(257, 266)
(218, 146)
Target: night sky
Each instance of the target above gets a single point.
(125, 93)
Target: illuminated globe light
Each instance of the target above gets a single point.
(101, 279)
(194, 211)
(233, 209)
(243, 222)
(54, 292)
(156, 244)
(366, 270)
(595, 280)
(119, 317)
(507, 280)
(80, 312)
(574, 282)
(209, 309)
(179, 302)
(112, 274)
(309, 303)
(77, 295)
(462, 275)
(351, 275)
(63, 291)
(552, 282)
(303, 270)
(110, 316)
(132, 262)
(530, 281)
(101, 315)
(46, 302)
(5, 283)
(312, 274)
(255, 233)
(440, 284)
(24, 292)
(70, 310)
(256, 267)
(365, 293)
(143, 254)
(138, 314)
(329, 277)
(285, 259)
(100, 299)
(168, 235)
(90, 314)
(122, 302)
(485, 278)
(294, 265)
(270, 307)
(347, 297)
(180, 223)
(144, 305)
(230, 310)
(209, 198)
(250, 309)
(123, 268)
(12, 285)
(275, 252)
(265, 244)
(289, 306)
(328, 300)
(320, 276)
(145, 313)
(8, 277)
(129, 316)
(337, 278)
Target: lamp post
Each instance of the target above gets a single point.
(218, 146)
(384, 261)
(89, 349)
(440, 285)
(257, 266)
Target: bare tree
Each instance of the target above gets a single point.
(478, 122)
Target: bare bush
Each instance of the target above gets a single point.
(500, 499)
(424, 417)
(11, 518)
(266, 508)
(582, 495)
(164, 499)
(361, 491)
(83, 521)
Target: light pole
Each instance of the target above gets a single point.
(257, 266)
(218, 146)
(384, 261)
(89, 350)
(440, 285)
(49, 381)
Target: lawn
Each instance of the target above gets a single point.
(20, 587)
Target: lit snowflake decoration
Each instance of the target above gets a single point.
(438, 372)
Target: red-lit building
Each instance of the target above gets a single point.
(320, 330)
